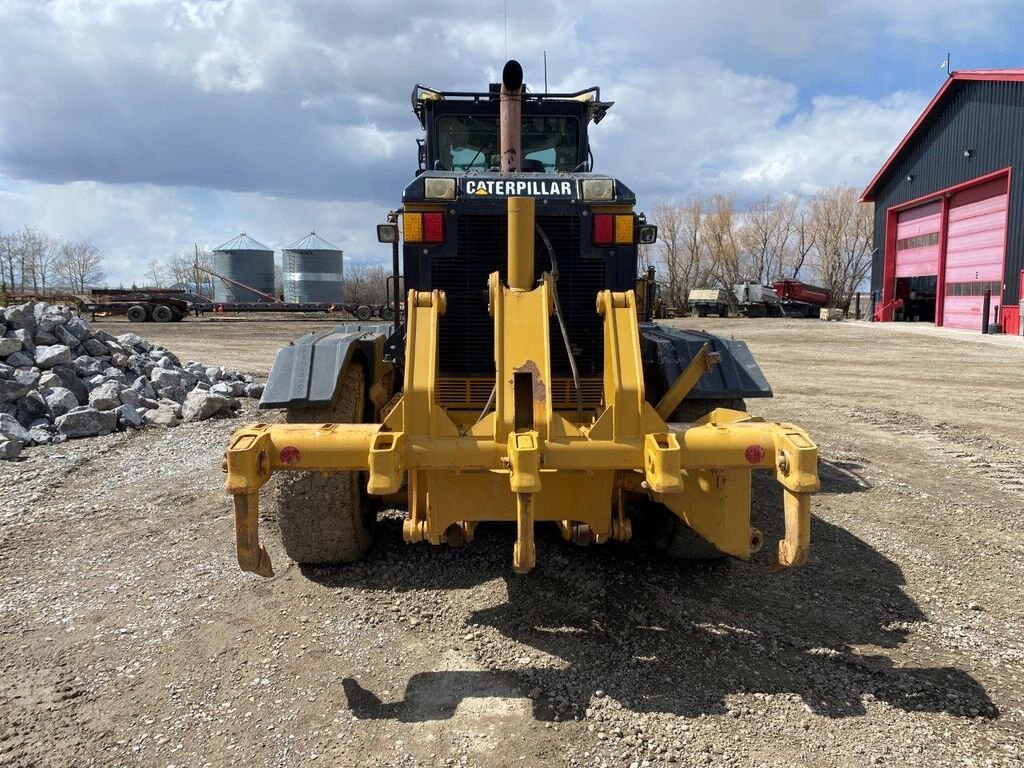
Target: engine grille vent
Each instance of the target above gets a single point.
(473, 393)
(466, 331)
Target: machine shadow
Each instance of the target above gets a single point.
(841, 477)
(663, 636)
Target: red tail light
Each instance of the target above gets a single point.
(433, 227)
(604, 229)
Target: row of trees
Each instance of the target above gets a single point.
(366, 284)
(706, 241)
(186, 270)
(32, 261)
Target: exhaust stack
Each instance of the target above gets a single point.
(511, 116)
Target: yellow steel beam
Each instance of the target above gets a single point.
(783, 448)
(623, 368)
(520, 242)
(522, 358)
(702, 363)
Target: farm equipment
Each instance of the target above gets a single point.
(527, 383)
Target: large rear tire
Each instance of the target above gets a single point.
(670, 536)
(327, 518)
(136, 314)
(162, 313)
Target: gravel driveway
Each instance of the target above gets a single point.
(128, 636)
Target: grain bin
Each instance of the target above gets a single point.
(312, 271)
(245, 261)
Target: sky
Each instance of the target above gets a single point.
(148, 126)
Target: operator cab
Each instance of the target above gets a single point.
(462, 130)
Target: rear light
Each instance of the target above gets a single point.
(433, 227)
(604, 224)
(412, 227)
(423, 227)
(624, 229)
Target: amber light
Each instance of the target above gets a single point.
(412, 227)
(624, 229)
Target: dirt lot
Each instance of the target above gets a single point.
(129, 637)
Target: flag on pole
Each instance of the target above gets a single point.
(945, 63)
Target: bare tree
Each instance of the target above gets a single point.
(203, 280)
(180, 268)
(720, 232)
(801, 244)
(80, 265)
(764, 235)
(27, 260)
(156, 274)
(668, 218)
(366, 284)
(9, 261)
(682, 250)
(842, 228)
(45, 254)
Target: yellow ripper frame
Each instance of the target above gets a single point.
(525, 462)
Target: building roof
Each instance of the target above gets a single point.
(243, 243)
(312, 242)
(1004, 75)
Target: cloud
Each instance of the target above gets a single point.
(134, 224)
(840, 140)
(147, 124)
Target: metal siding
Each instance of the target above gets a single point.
(985, 117)
(313, 276)
(253, 268)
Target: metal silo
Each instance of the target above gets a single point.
(245, 261)
(312, 271)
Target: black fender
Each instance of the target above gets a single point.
(305, 373)
(666, 351)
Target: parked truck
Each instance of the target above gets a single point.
(708, 301)
(785, 298)
(756, 300)
(796, 297)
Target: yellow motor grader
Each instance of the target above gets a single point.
(524, 380)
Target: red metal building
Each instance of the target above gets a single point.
(949, 207)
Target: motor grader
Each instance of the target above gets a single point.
(524, 380)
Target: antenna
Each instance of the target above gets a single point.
(506, 30)
(545, 71)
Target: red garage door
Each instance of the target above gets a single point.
(917, 240)
(975, 250)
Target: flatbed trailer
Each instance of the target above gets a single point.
(173, 306)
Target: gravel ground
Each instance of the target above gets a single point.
(129, 637)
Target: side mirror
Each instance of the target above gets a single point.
(648, 234)
(387, 233)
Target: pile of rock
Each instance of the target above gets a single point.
(61, 379)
